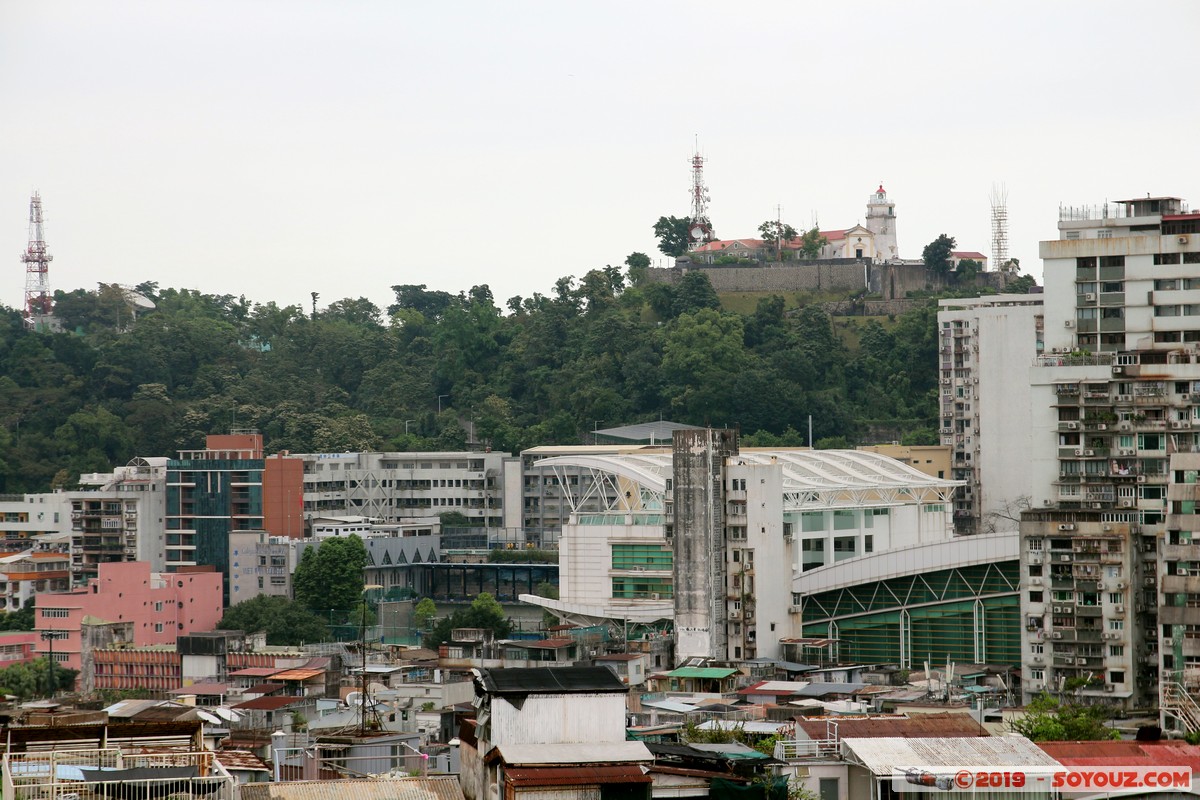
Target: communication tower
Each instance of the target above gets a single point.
(700, 228)
(999, 226)
(38, 301)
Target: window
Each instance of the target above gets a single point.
(812, 521)
(1035, 597)
(158, 627)
(1116, 598)
(158, 606)
(1037, 648)
(641, 557)
(1116, 677)
(1116, 651)
(55, 613)
(1116, 625)
(1037, 675)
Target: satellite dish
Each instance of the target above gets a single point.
(354, 699)
(211, 719)
(136, 298)
(376, 688)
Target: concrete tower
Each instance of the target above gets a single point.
(698, 460)
(881, 221)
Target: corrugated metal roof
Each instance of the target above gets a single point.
(268, 703)
(581, 753)
(1131, 753)
(438, 788)
(574, 776)
(551, 680)
(701, 672)
(774, 687)
(882, 755)
(254, 672)
(916, 726)
(202, 688)
(296, 674)
(817, 689)
(242, 760)
(264, 688)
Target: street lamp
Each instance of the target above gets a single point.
(440, 396)
(50, 636)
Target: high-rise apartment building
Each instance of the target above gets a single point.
(985, 347)
(1114, 395)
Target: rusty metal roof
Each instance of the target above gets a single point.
(270, 703)
(434, 788)
(242, 760)
(916, 726)
(574, 776)
(296, 674)
(1151, 754)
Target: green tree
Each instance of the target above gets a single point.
(1048, 719)
(330, 577)
(673, 235)
(284, 621)
(968, 268)
(775, 233)
(936, 254)
(694, 292)
(639, 268)
(423, 613)
(811, 242)
(484, 612)
(21, 620)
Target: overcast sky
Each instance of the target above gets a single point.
(273, 149)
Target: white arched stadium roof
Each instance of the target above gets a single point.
(811, 478)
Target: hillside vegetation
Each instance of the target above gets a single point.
(593, 352)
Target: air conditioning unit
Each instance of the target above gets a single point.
(1089, 452)
(1057, 609)
(946, 382)
(1141, 479)
(1106, 527)
(793, 609)
(1047, 502)
(1071, 426)
(1066, 526)
(1119, 609)
(1036, 580)
(1056, 635)
(1108, 687)
(1070, 323)
(1126, 452)
(1038, 659)
(1120, 585)
(1118, 370)
(735, 614)
(1168, 641)
(1124, 398)
(1181, 571)
(1182, 240)
(1064, 557)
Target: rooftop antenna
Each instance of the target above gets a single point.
(38, 301)
(999, 200)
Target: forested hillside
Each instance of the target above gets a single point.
(545, 369)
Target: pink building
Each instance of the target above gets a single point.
(159, 606)
(16, 647)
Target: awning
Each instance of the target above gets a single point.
(574, 776)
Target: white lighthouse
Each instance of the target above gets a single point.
(881, 221)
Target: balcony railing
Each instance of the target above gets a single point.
(91, 774)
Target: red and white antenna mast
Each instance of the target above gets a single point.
(700, 228)
(38, 302)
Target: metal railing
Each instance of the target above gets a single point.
(795, 749)
(90, 774)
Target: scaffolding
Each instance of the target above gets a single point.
(999, 200)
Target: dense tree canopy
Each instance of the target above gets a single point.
(1048, 719)
(329, 578)
(673, 234)
(484, 612)
(435, 369)
(285, 622)
(937, 254)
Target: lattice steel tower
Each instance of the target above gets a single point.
(38, 301)
(999, 226)
(700, 229)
